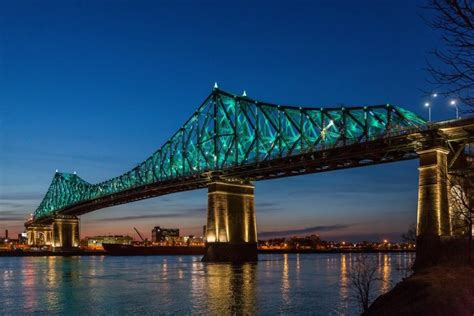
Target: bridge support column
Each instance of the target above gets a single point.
(231, 230)
(433, 207)
(65, 233)
(434, 220)
(39, 235)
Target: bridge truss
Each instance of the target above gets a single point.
(236, 136)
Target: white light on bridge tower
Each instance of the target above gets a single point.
(56, 170)
(244, 94)
(215, 85)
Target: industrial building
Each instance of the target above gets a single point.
(159, 234)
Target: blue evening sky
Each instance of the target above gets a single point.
(97, 86)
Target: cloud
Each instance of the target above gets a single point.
(307, 230)
(38, 154)
(21, 196)
(12, 216)
(9, 213)
(345, 190)
(10, 204)
(186, 213)
(267, 206)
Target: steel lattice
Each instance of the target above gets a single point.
(228, 131)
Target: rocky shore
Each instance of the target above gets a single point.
(439, 290)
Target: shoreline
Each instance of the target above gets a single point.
(308, 251)
(437, 290)
(260, 251)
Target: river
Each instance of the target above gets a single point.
(316, 284)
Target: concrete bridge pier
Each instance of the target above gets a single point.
(231, 230)
(433, 218)
(433, 207)
(39, 235)
(65, 231)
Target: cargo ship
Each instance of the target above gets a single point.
(142, 250)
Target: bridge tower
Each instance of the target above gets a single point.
(445, 167)
(65, 229)
(62, 233)
(39, 235)
(231, 230)
(433, 207)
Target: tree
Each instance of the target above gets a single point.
(453, 69)
(362, 279)
(410, 235)
(462, 210)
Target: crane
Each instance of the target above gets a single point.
(140, 235)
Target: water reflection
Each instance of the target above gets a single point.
(231, 288)
(343, 283)
(285, 281)
(28, 284)
(298, 270)
(386, 271)
(51, 282)
(288, 284)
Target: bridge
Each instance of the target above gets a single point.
(231, 141)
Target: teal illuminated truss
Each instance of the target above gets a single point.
(228, 131)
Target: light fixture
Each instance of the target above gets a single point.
(454, 103)
(428, 105)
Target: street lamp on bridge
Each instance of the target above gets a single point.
(428, 105)
(454, 103)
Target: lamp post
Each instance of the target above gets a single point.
(453, 103)
(428, 105)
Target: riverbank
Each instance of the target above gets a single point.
(302, 251)
(50, 253)
(260, 251)
(440, 290)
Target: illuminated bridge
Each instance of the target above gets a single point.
(231, 141)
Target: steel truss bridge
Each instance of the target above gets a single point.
(232, 136)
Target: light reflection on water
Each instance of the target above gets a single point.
(278, 284)
(343, 277)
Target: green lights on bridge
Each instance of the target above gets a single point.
(228, 131)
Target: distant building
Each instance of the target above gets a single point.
(97, 241)
(23, 238)
(159, 234)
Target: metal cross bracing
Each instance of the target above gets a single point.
(228, 133)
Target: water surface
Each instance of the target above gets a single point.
(277, 284)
